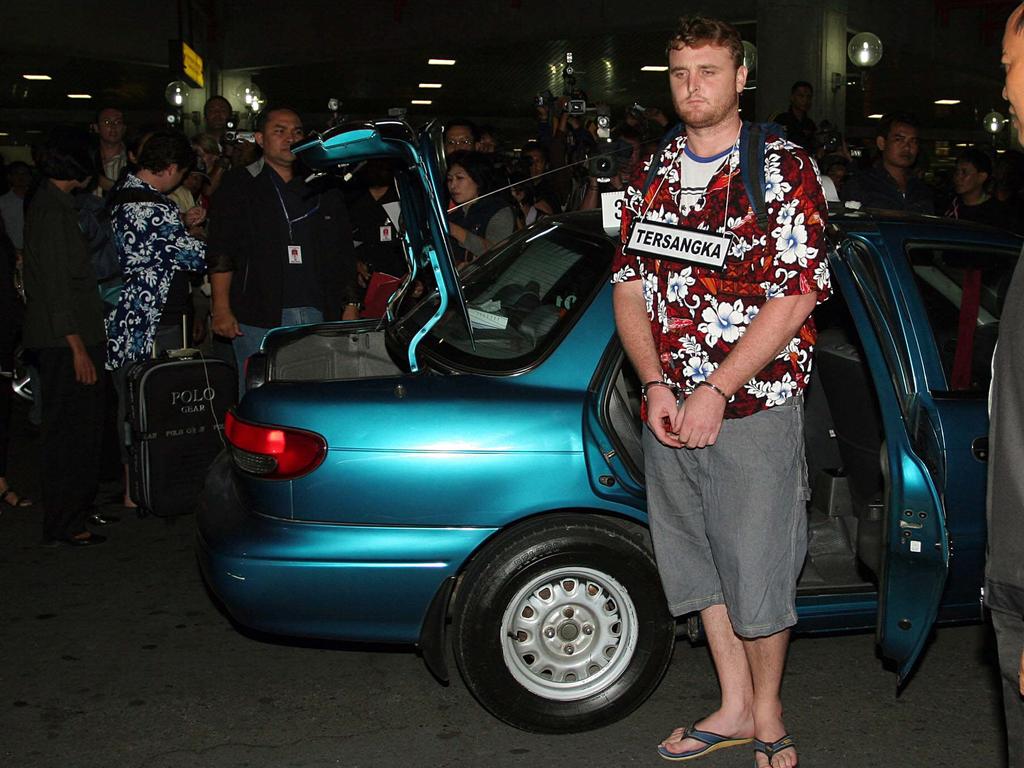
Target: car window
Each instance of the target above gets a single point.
(878, 302)
(963, 290)
(521, 299)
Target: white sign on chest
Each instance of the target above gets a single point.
(660, 241)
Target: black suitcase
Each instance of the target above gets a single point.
(176, 408)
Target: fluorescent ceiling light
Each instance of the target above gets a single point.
(962, 144)
(37, 77)
(4, 133)
(653, 68)
(430, 85)
(421, 102)
(876, 116)
(947, 102)
(441, 62)
(34, 130)
(79, 95)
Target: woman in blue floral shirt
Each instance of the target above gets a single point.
(156, 253)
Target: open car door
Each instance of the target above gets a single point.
(424, 221)
(915, 545)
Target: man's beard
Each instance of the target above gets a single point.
(707, 114)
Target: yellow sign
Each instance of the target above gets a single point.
(192, 65)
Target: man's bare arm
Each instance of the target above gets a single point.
(775, 325)
(634, 327)
(224, 322)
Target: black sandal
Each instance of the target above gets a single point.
(770, 750)
(21, 501)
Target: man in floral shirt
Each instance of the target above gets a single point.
(714, 314)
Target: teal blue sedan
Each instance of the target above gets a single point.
(466, 474)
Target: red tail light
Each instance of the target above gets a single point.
(276, 453)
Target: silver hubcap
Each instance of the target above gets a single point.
(569, 633)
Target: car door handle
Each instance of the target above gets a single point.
(912, 526)
(979, 448)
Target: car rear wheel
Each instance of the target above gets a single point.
(561, 626)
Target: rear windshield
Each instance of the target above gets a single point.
(521, 299)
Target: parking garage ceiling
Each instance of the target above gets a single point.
(373, 56)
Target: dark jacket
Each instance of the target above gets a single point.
(249, 237)
(60, 284)
(11, 309)
(875, 188)
(1004, 566)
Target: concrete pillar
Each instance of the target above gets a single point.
(802, 40)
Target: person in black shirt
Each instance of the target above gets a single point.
(800, 129)
(279, 250)
(972, 201)
(64, 328)
(378, 245)
(891, 184)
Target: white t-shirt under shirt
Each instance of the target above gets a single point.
(697, 172)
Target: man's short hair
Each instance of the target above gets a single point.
(18, 165)
(104, 108)
(892, 118)
(473, 130)
(165, 148)
(209, 101)
(698, 31)
(539, 150)
(67, 155)
(801, 84)
(982, 161)
(1018, 27)
(264, 115)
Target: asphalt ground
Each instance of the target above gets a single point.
(117, 656)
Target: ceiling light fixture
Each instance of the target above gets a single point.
(37, 77)
(79, 95)
(947, 102)
(876, 116)
(430, 85)
(421, 102)
(653, 68)
(442, 62)
(4, 133)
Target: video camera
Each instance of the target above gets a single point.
(828, 138)
(576, 100)
(240, 136)
(607, 159)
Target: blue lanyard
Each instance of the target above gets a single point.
(287, 218)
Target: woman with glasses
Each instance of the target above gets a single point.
(480, 216)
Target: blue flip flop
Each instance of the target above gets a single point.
(712, 743)
(770, 750)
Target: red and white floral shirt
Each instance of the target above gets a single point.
(698, 313)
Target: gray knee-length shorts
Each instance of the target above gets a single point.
(729, 522)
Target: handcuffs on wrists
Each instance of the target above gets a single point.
(675, 390)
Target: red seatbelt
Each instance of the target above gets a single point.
(969, 304)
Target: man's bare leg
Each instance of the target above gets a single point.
(766, 657)
(735, 717)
